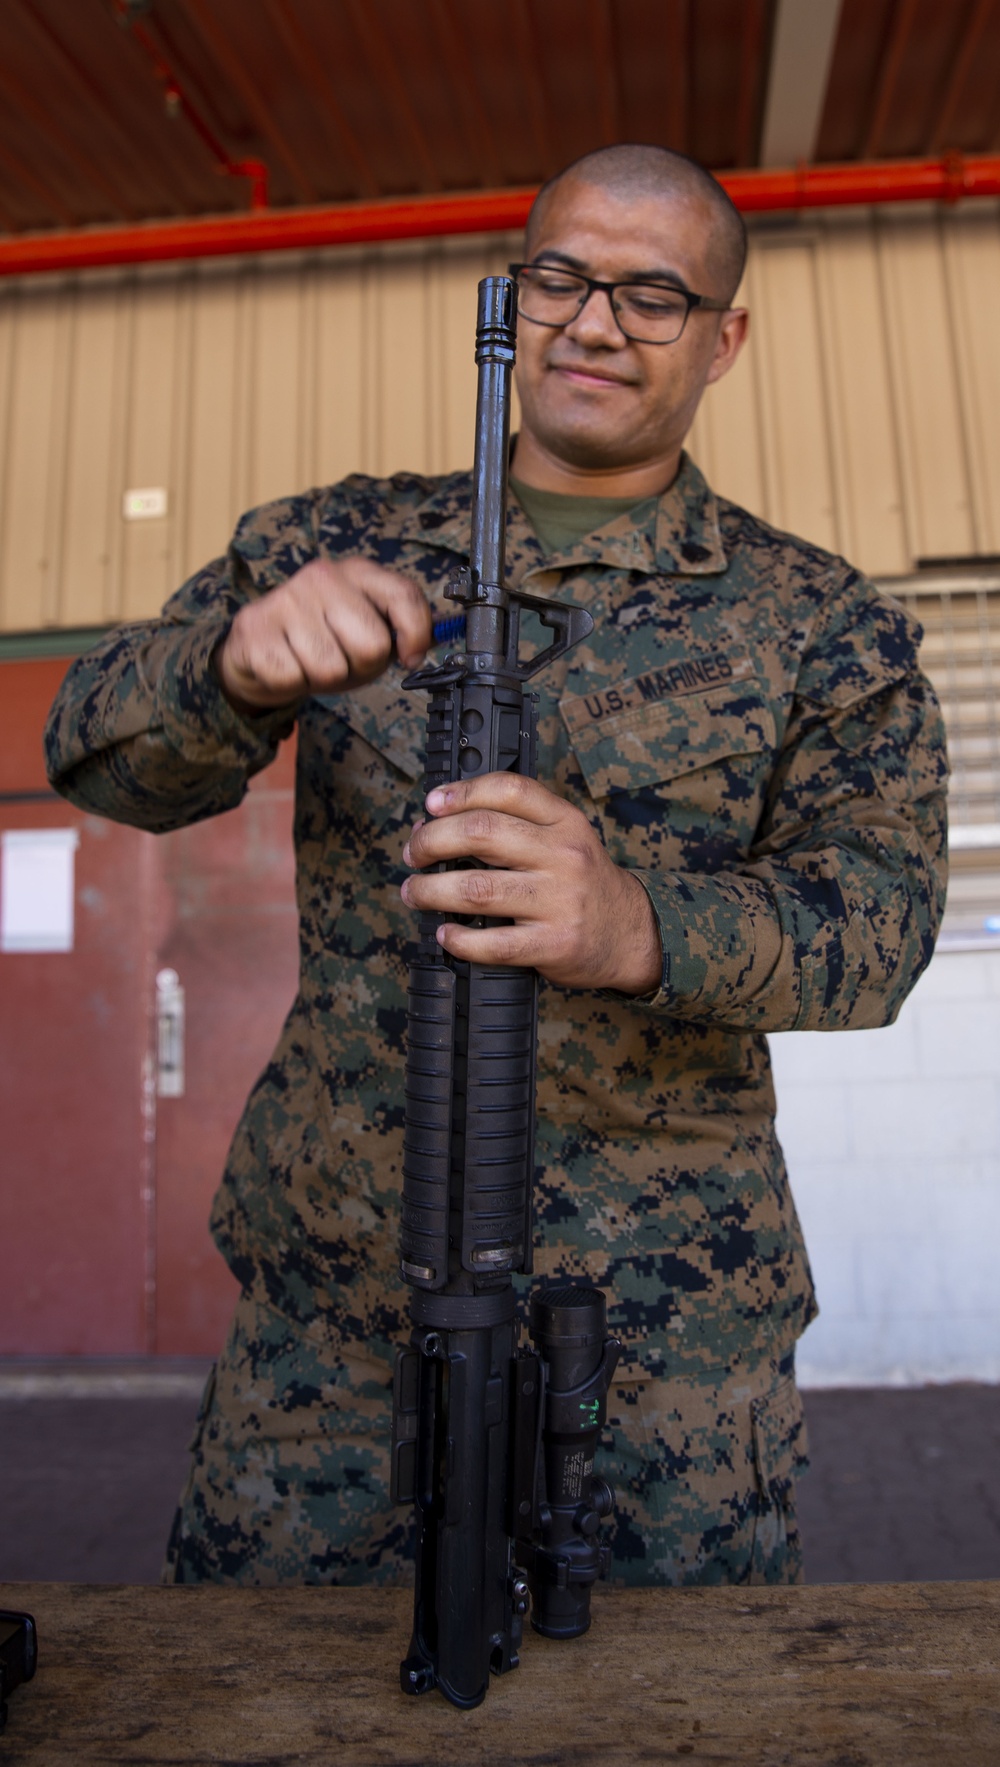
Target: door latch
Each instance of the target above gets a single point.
(169, 1035)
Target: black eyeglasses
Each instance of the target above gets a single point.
(645, 312)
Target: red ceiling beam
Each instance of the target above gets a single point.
(224, 49)
(752, 64)
(19, 171)
(968, 49)
(389, 90)
(900, 32)
(605, 66)
(489, 211)
(521, 28)
(678, 71)
(463, 76)
(326, 106)
(45, 118)
(55, 50)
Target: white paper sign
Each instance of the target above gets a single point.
(36, 888)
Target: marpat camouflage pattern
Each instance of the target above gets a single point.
(290, 1469)
(746, 727)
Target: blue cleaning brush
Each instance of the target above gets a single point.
(451, 626)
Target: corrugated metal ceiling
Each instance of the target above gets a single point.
(913, 77)
(347, 99)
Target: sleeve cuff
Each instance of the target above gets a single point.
(721, 938)
(196, 717)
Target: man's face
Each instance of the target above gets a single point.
(589, 396)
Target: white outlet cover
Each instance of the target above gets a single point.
(144, 505)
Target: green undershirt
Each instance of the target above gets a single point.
(559, 521)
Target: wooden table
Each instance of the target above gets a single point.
(846, 1676)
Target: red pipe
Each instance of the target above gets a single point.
(176, 99)
(492, 211)
(873, 181)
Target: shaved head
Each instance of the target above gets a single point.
(632, 172)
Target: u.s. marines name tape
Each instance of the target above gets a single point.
(691, 674)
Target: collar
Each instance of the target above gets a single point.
(681, 536)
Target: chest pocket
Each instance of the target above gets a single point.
(730, 726)
(391, 720)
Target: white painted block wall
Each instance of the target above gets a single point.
(892, 1139)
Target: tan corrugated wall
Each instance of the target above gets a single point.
(865, 414)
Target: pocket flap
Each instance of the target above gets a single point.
(388, 717)
(667, 723)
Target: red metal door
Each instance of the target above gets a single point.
(73, 1041)
(230, 933)
(104, 1188)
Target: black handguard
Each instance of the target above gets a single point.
(473, 1449)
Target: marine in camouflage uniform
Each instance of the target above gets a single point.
(747, 730)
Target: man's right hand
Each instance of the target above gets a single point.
(328, 628)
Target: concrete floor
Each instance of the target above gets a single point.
(905, 1484)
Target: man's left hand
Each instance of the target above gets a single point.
(577, 918)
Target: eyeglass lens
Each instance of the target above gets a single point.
(648, 312)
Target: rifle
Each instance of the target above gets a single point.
(494, 1445)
